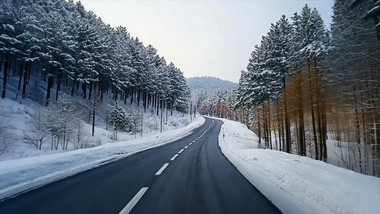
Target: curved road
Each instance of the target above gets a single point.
(190, 175)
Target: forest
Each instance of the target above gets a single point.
(55, 50)
(304, 85)
(312, 91)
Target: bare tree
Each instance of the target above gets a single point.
(37, 136)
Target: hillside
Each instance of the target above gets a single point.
(199, 84)
(74, 87)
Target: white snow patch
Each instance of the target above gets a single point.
(21, 175)
(298, 184)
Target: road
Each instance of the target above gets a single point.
(190, 175)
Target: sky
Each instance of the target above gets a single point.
(202, 37)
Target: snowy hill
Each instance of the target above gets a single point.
(199, 84)
(71, 88)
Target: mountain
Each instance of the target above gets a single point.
(198, 84)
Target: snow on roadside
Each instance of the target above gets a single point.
(298, 184)
(24, 174)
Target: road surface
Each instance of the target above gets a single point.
(190, 175)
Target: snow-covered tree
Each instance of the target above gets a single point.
(118, 120)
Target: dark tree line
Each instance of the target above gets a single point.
(66, 46)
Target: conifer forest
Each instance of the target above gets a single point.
(56, 50)
(312, 91)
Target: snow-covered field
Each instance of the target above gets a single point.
(298, 184)
(28, 173)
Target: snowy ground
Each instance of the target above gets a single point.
(298, 184)
(18, 118)
(27, 173)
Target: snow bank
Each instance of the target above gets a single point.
(21, 175)
(298, 184)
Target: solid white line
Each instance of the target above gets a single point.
(162, 169)
(186, 147)
(180, 151)
(172, 159)
(134, 201)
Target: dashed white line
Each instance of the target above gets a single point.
(162, 169)
(172, 159)
(186, 147)
(180, 151)
(134, 201)
(190, 144)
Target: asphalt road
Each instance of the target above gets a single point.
(190, 175)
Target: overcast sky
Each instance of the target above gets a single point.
(202, 38)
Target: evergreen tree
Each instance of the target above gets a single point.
(118, 120)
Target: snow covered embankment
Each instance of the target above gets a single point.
(298, 184)
(24, 174)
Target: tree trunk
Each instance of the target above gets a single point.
(144, 100)
(93, 122)
(126, 96)
(72, 88)
(288, 140)
(90, 91)
(158, 105)
(171, 108)
(265, 125)
(59, 80)
(312, 111)
(132, 93)
(1, 62)
(21, 73)
(259, 129)
(26, 74)
(301, 125)
(94, 108)
(138, 97)
(6, 67)
(84, 89)
(269, 126)
(161, 119)
(49, 85)
(324, 133)
(279, 125)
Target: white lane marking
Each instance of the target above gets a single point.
(186, 147)
(172, 159)
(134, 201)
(190, 144)
(180, 151)
(203, 133)
(162, 169)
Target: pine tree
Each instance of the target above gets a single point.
(118, 120)
(10, 45)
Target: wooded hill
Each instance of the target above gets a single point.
(212, 96)
(209, 84)
(64, 45)
(56, 53)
